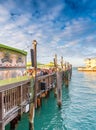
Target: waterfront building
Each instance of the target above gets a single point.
(90, 65)
(90, 62)
(12, 62)
(14, 86)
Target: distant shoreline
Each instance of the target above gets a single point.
(86, 69)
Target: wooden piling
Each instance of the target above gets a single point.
(31, 116)
(2, 126)
(13, 124)
(55, 91)
(55, 65)
(38, 102)
(34, 104)
(59, 88)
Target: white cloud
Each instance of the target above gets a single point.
(53, 13)
(90, 38)
(22, 19)
(70, 44)
(21, 31)
(4, 14)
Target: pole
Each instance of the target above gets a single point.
(62, 62)
(55, 65)
(56, 61)
(35, 69)
(33, 105)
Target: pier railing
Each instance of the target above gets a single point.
(48, 79)
(15, 97)
(13, 100)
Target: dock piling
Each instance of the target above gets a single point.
(31, 116)
(34, 104)
(2, 126)
(59, 88)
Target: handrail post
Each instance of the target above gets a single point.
(1, 111)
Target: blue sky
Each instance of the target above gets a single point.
(63, 27)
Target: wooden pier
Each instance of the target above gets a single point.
(14, 99)
(24, 93)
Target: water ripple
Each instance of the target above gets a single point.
(78, 111)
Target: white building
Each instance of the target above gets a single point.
(90, 62)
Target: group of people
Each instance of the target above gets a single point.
(39, 71)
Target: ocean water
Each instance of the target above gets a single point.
(78, 111)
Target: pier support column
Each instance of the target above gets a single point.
(66, 78)
(13, 123)
(38, 102)
(47, 93)
(31, 126)
(55, 92)
(59, 88)
(2, 126)
(1, 111)
(31, 116)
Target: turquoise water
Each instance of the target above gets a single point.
(78, 111)
(22, 125)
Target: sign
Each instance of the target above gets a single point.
(12, 63)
